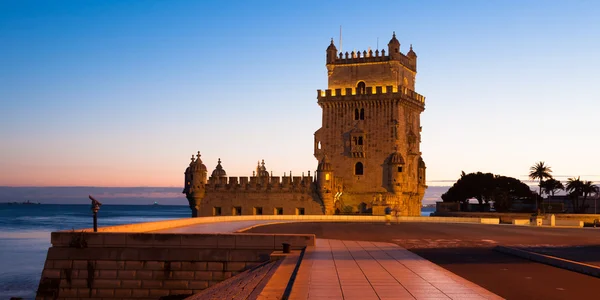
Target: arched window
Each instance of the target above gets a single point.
(360, 140)
(362, 113)
(361, 88)
(356, 114)
(358, 168)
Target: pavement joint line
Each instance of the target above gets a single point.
(376, 246)
(570, 265)
(360, 268)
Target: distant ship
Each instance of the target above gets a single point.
(155, 203)
(24, 203)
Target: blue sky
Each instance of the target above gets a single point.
(121, 93)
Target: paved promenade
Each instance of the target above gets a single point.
(219, 227)
(336, 269)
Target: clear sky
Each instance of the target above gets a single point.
(121, 93)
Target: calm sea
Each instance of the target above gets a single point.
(25, 235)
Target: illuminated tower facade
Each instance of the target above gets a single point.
(371, 131)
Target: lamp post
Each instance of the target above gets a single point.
(95, 208)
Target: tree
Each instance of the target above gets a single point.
(587, 188)
(540, 171)
(487, 187)
(551, 186)
(574, 188)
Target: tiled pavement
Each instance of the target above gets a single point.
(336, 269)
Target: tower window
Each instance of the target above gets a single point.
(326, 176)
(399, 169)
(361, 88)
(359, 114)
(360, 140)
(358, 168)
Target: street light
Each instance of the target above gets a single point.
(95, 208)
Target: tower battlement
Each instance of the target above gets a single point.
(263, 184)
(376, 93)
(364, 57)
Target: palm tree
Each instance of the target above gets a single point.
(588, 188)
(540, 171)
(551, 186)
(575, 189)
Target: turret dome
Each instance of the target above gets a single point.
(332, 47)
(197, 165)
(324, 165)
(219, 171)
(396, 159)
(261, 170)
(421, 163)
(411, 53)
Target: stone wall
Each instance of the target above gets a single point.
(151, 265)
(288, 202)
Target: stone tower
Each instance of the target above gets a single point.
(370, 134)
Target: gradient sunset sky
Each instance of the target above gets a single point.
(122, 93)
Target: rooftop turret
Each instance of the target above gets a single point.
(331, 53)
(261, 170)
(219, 171)
(394, 47)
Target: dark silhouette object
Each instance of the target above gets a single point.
(388, 210)
(95, 208)
(540, 171)
(576, 188)
(487, 187)
(286, 247)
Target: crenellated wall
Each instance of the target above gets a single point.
(371, 56)
(254, 183)
(374, 93)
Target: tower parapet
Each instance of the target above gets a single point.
(369, 56)
(375, 93)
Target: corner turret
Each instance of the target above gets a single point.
(397, 172)
(412, 55)
(325, 184)
(394, 47)
(331, 53)
(421, 173)
(194, 186)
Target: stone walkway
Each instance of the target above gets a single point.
(219, 227)
(336, 269)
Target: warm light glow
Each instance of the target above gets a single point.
(326, 176)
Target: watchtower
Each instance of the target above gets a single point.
(371, 129)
